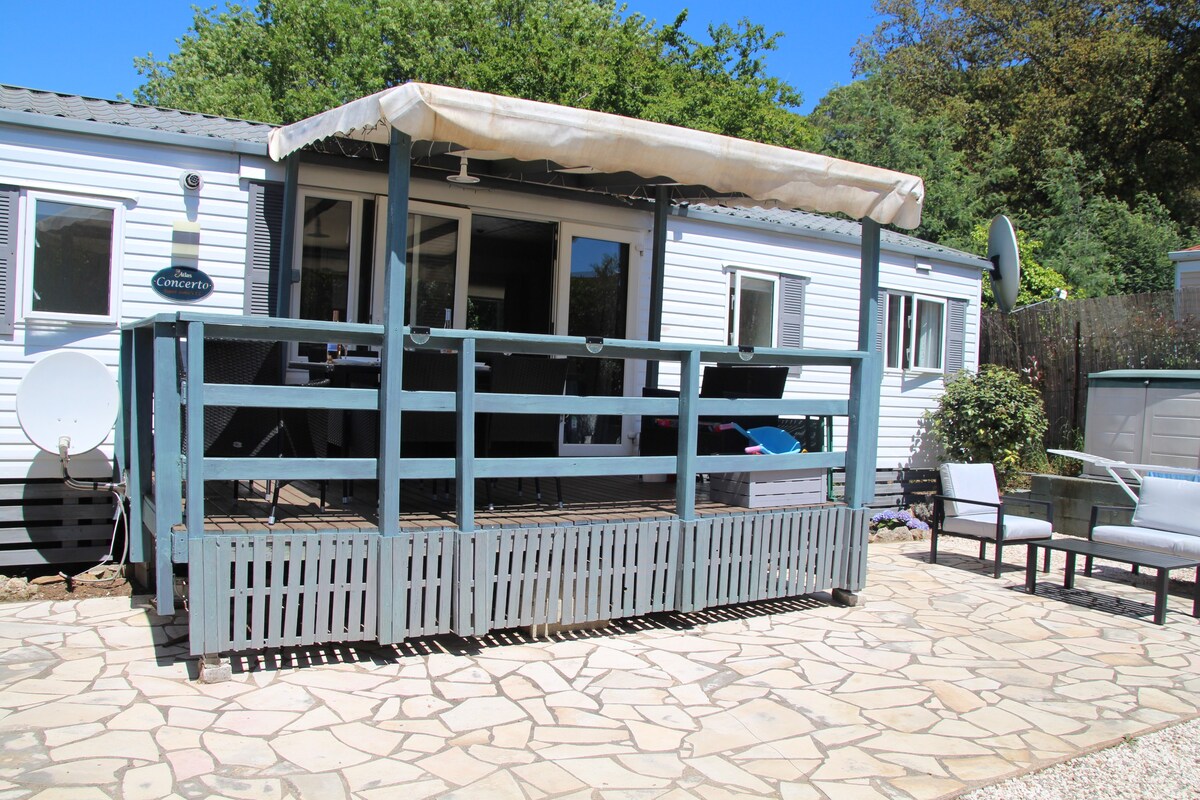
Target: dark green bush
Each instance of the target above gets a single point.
(991, 416)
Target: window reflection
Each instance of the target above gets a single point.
(72, 262)
(756, 318)
(432, 259)
(599, 288)
(324, 265)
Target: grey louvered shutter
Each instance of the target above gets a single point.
(956, 336)
(791, 311)
(881, 312)
(8, 257)
(264, 232)
(790, 326)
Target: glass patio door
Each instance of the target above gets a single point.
(436, 264)
(595, 276)
(330, 226)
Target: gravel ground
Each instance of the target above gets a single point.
(1164, 765)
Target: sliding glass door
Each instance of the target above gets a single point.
(330, 227)
(594, 279)
(435, 263)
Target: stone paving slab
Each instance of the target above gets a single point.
(942, 680)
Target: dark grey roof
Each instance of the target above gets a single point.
(116, 112)
(834, 227)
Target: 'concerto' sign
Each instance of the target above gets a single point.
(182, 284)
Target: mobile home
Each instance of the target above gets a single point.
(511, 244)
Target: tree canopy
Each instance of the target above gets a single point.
(288, 59)
(1077, 118)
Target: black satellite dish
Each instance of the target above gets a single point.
(1006, 263)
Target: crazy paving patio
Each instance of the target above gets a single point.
(944, 679)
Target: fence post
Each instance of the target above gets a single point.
(168, 447)
(464, 461)
(195, 430)
(392, 556)
(392, 356)
(685, 459)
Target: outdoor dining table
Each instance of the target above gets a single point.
(346, 430)
(349, 370)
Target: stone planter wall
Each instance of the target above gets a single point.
(1073, 499)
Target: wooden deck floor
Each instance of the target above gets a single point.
(585, 500)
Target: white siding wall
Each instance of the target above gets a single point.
(695, 299)
(145, 177)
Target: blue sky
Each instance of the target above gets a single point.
(87, 47)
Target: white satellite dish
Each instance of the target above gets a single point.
(1006, 263)
(67, 398)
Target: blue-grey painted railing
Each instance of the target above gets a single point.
(158, 383)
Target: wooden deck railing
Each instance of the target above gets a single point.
(160, 360)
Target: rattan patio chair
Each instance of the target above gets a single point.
(429, 434)
(259, 432)
(525, 435)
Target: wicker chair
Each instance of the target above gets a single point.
(525, 435)
(258, 432)
(429, 434)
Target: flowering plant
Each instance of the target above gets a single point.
(895, 518)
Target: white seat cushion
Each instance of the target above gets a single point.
(1167, 504)
(983, 526)
(969, 482)
(1175, 544)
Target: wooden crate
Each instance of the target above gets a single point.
(793, 487)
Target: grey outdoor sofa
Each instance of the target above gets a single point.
(1165, 520)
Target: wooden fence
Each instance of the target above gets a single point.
(249, 591)
(895, 488)
(44, 522)
(1057, 344)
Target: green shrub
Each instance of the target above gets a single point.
(992, 416)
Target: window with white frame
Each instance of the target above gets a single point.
(915, 332)
(71, 257)
(752, 307)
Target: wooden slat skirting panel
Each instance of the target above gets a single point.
(743, 558)
(565, 575)
(45, 522)
(250, 591)
(858, 526)
(417, 584)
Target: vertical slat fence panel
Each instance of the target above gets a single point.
(272, 590)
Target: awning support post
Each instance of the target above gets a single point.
(287, 273)
(392, 355)
(866, 377)
(658, 273)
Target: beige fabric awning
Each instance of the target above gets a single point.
(490, 126)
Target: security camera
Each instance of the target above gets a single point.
(191, 181)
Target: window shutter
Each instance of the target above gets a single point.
(8, 257)
(263, 243)
(791, 311)
(790, 325)
(881, 312)
(956, 335)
